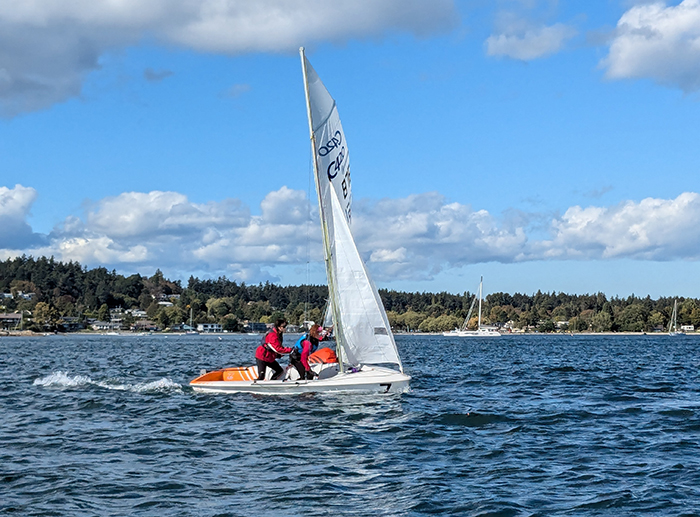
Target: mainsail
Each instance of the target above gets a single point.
(361, 327)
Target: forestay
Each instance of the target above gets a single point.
(361, 325)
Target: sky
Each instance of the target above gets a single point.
(546, 145)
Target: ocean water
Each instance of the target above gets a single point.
(518, 425)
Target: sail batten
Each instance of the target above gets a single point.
(361, 325)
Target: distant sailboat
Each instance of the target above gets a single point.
(191, 330)
(481, 331)
(673, 325)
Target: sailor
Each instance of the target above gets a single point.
(307, 345)
(270, 350)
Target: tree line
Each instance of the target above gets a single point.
(48, 291)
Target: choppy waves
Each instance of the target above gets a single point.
(61, 379)
(519, 426)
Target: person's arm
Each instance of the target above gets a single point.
(305, 352)
(325, 333)
(274, 343)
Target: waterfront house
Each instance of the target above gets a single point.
(106, 326)
(10, 320)
(209, 327)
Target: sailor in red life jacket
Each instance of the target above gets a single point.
(270, 350)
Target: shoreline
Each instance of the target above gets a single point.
(29, 333)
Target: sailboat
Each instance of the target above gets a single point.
(481, 331)
(191, 330)
(364, 340)
(673, 325)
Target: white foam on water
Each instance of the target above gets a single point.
(62, 379)
(164, 384)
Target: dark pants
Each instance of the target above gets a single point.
(264, 365)
(295, 361)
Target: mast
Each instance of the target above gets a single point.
(324, 227)
(465, 325)
(481, 287)
(674, 317)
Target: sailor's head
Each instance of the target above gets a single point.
(315, 331)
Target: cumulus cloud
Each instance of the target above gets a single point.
(410, 238)
(48, 48)
(15, 204)
(165, 229)
(137, 215)
(529, 43)
(653, 229)
(658, 42)
(418, 236)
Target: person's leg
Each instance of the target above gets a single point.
(262, 367)
(278, 370)
(296, 363)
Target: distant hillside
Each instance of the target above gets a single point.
(50, 290)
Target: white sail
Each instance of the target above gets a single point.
(328, 317)
(330, 150)
(366, 334)
(361, 327)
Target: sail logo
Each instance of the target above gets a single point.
(335, 166)
(333, 143)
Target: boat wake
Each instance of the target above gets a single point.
(64, 380)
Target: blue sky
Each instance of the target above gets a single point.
(545, 145)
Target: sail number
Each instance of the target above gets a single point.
(335, 166)
(346, 183)
(333, 143)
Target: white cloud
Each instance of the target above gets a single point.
(420, 235)
(143, 215)
(411, 238)
(653, 229)
(166, 228)
(15, 204)
(100, 250)
(658, 42)
(48, 48)
(285, 206)
(529, 43)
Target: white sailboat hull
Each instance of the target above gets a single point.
(367, 379)
(472, 333)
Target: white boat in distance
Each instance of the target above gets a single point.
(363, 335)
(480, 331)
(672, 325)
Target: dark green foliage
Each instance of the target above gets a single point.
(67, 289)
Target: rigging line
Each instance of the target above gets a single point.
(308, 239)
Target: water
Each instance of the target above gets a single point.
(526, 425)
